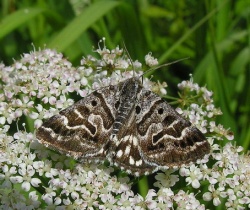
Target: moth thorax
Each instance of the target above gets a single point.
(127, 101)
(130, 88)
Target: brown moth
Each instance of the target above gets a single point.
(131, 126)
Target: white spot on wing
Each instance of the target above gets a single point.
(135, 141)
(51, 132)
(138, 162)
(131, 139)
(127, 150)
(101, 151)
(126, 138)
(65, 120)
(137, 173)
(115, 139)
(119, 153)
(131, 160)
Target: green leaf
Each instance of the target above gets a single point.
(74, 30)
(18, 18)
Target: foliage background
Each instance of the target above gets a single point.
(214, 34)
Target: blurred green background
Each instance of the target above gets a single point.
(214, 34)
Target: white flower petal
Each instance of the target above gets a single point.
(16, 179)
(207, 196)
(5, 168)
(38, 123)
(13, 170)
(34, 115)
(74, 195)
(26, 186)
(216, 201)
(52, 100)
(2, 120)
(35, 182)
(196, 184)
(57, 201)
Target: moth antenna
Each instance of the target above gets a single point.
(166, 64)
(130, 59)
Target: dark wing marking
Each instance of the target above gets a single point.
(82, 129)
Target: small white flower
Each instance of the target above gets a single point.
(8, 176)
(137, 64)
(194, 175)
(48, 197)
(33, 199)
(166, 179)
(150, 60)
(26, 177)
(212, 195)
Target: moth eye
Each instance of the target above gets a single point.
(93, 103)
(137, 110)
(117, 104)
(160, 111)
(111, 87)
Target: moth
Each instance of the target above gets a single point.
(128, 125)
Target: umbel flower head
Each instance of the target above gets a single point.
(32, 176)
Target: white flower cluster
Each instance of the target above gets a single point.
(150, 60)
(34, 177)
(201, 111)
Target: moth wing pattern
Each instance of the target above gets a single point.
(131, 126)
(127, 153)
(156, 137)
(167, 139)
(82, 130)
